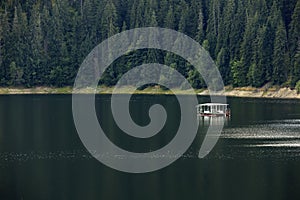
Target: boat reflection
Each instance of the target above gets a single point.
(213, 120)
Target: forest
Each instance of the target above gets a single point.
(253, 42)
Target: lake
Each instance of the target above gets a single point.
(42, 157)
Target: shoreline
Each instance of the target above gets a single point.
(248, 92)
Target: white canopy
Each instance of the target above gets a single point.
(212, 104)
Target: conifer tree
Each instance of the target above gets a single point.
(194, 10)
(223, 61)
(238, 77)
(4, 37)
(36, 69)
(163, 9)
(225, 26)
(280, 55)
(200, 34)
(137, 14)
(257, 69)
(182, 25)
(247, 47)
(294, 37)
(237, 30)
(109, 20)
(169, 21)
(213, 24)
(296, 67)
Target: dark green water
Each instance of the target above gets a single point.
(42, 157)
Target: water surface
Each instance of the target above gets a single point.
(42, 157)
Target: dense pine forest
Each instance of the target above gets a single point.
(253, 42)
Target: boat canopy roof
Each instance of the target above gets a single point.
(212, 104)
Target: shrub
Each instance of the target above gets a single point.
(298, 87)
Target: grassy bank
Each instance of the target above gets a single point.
(271, 92)
(100, 90)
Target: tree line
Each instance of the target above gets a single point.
(253, 42)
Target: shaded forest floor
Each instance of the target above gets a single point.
(270, 92)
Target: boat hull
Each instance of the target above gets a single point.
(214, 114)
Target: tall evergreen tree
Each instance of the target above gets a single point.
(194, 10)
(223, 61)
(237, 30)
(200, 33)
(247, 47)
(15, 75)
(213, 24)
(296, 67)
(238, 76)
(137, 14)
(169, 21)
(4, 37)
(294, 37)
(163, 8)
(109, 20)
(256, 73)
(18, 41)
(280, 55)
(35, 70)
(225, 26)
(182, 25)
